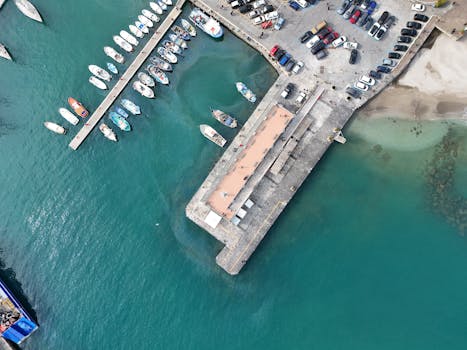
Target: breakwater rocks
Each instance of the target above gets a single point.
(440, 175)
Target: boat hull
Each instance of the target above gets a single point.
(70, 117)
(152, 16)
(207, 24)
(128, 37)
(125, 45)
(212, 135)
(119, 121)
(247, 93)
(100, 72)
(28, 10)
(143, 89)
(97, 83)
(58, 129)
(113, 54)
(78, 107)
(224, 118)
(138, 33)
(131, 107)
(108, 132)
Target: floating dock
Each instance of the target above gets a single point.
(113, 94)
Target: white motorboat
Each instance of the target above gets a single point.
(108, 132)
(97, 83)
(162, 5)
(177, 40)
(207, 24)
(168, 2)
(146, 79)
(161, 64)
(128, 37)
(58, 129)
(246, 92)
(125, 45)
(212, 135)
(70, 117)
(4, 52)
(188, 27)
(157, 74)
(100, 72)
(113, 54)
(142, 27)
(138, 33)
(152, 16)
(146, 21)
(28, 10)
(169, 45)
(143, 89)
(167, 55)
(130, 106)
(156, 8)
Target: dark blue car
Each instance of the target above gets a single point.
(294, 5)
(284, 59)
(371, 7)
(383, 69)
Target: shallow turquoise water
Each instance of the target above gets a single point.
(97, 238)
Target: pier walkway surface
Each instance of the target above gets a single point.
(4, 345)
(127, 76)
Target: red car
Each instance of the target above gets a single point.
(274, 50)
(330, 38)
(355, 16)
(266, 25)
(323, 32)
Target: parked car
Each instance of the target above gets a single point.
(303, 3)
(380, 33)
(347, 14)
(330, 37)
(344, 7)
(369, 23)
(284, 59)
(389, 62)
(389, 22)
(290, 65)
(279, 53)
(402, 48)
(404, 39)
(274, 50)
(352, 91)
(339, 41)
(306, 36)
(266, 25)
(367, 80)
(420, 17)
(353, 56)
(321, 54)
(301, 97)
(394, 55)
(288, 90)
(414, 25)
(312, 41)
(266, 9)
(360, 86)
(374, 29)
(383, 17)
(364, 4)
(254, 13)
(297, 67)
(258, 4)
(245, 8)
(418, 7)
(237, 4)
(362, 20)
(279, 23)
(383, 69)
(371, 7)
(323, 32)
(294, 5)
(259, 20)
(318, 27)
(375, 74)
(409, 32)
(355, 16)
(317, 47)
(350, 45)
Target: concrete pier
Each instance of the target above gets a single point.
(113, 94)
(4, 345)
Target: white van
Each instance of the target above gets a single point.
(302, 3)
(271, 15)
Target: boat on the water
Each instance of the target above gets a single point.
(152, 16)
(161, 64)
(212, 135)
(125, 45)
(157, 74)
(1, 3)
(128, 37)
(167, 55)
(100, 72)
(156, 8)
(172, 47)
(224, 118)
(131, 107)
(58, 129)
(4, 52)
(138, 33)
(188, 27)
(108, 132)
(247, 93)
(113, 54)
(182, 33)
(70, 117)
(112, 68)
(121, 122)
(168, 2)
(78, 107)
(207, 24)
(122, 112)
(179, 41)
(146, 79)
(144, 90)
(162, 5)
(97, 83)
(15, 323)
(28, 10)
(146, 21)
(142, 27)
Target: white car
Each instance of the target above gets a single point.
(259, 20)
(312, 41)
(302, 96)
(303, 3)
(350, 45)
(418, 7)
(339, 41)
(271, 15)
(367, 80)
(297, 67)
(258, 3)
(360, 86)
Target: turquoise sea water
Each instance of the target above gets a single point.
(369, 255)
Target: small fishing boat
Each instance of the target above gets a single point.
(247, 93)
(172, 47)
(112, 68)
(224, 118)
(182, 33)
(179, 41)
(4, 52)
(152, 16)
(156, 8)
(167, 55)
(146, 21)
(162, 5)
(207, 24)
(128, 37)
(70, 117)
(121, 122)
(146, 79)
(130, 106)
(78, 107)
(122, 112)
(116, 56)
(97, 83)
(212, 135)
(143, 89)
(161, 64)
(1, 3)
(125, 45)
(188, 27)
(100, 72)
(108, 132)
(157, 74)
(58, 129)
(167, 2)
(28, 10)
(142, 27)
(138, 33)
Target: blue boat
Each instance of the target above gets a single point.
(122, 112)
(15, 323)
(121, 122)
(130, 106)
(112, 68)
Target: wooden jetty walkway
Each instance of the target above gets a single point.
(127, 76)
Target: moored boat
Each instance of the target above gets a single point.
(108, 132)
(161, 64)
(128, 37)
(131, 107)
(121, 122)
(78, 107)
(167, 55)
(157, 74)
(172, 47)
(112, 68)
(162, 5)
(152, 16)
(247, 93)
(207, 24)
(182, 33)
(125, 45)
(70, 117)
(138, 33)
(156, 8)
(143, 89)
(179, 41)
(212, 135)
(146, 21)
(28, 10)
(4, 52)
(99, 72)
(58, 129)
(188, 27)
(122, 112)
(146, 79)
(1, 3)
(224, 118)
(168, 2)
(97, 83)
(112, 53)
(142, 27)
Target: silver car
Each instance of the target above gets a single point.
(345, 5)
(347, 14)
